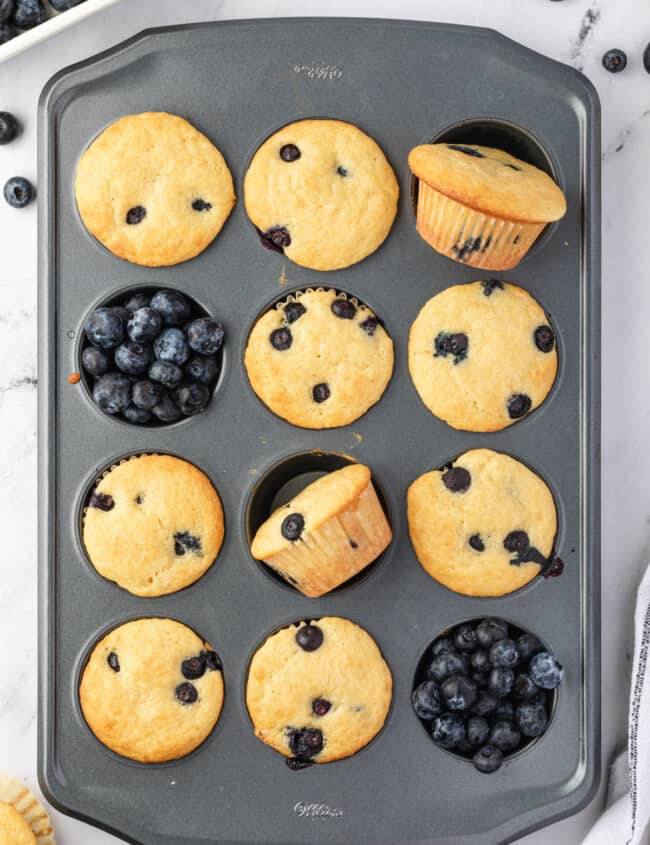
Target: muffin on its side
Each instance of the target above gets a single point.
(327, 534)
(152, 690)
(319, 360)
(482, 355)
(23, 820)
(153, 189)
(322, 192)
(153, 524)
(484, 525)
(318, 692)
(480, 205)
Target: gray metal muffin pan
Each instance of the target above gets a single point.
(403, 83)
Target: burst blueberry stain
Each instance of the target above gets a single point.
(185, 542)
(554, 568)
(512, 166)
(276, 238)
(305, 742)
(477, 543)
(456, 344)
(212, 661)
(469, 246)
(136, 215)
(293, 311)
(201, 205)
(369, 325)
(490, 285)
(101, 501)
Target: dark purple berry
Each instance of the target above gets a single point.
(94, 361)
(113, 661)
(518, 405)
(104, 327)
(477, 543)
(202, 368)
(205, 336)
(289, 152)
(28, 14)
(9, 126)
(477, 729)
(18, 192)
(192, 399)
(166, 373)
(172, 307)
(455, 345)
(101, 501)
(201, 205)
(293, 311)
(112, 393)
(281, 339)
(457, 479)
(320, 706)
(488, 631)
(426, 700)
(138, 416)
(544, 338)
(136, 215)
(344, 309)
(186, 693)
(146, 394)
(166, 410)
(133, 358)
(615, 61)
(193, 667)
(309, 637)
(321, 392)
(488, 759)
(143, 325)
(292, 526)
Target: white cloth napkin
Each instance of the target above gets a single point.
(626, 817)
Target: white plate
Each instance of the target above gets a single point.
(55, 23)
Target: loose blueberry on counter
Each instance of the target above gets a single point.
(321, 392)
(444, 665)
(615, 61)
(28, 14)
(146, 394)
(455, 344)
(544, 338)
(488, 759)
(426, 700)
(104, 327)
(276, 238)
(193, 667)
(490, 285)
(94, 361)
(101, 501)
(500, 681)
(504, 654)
(458, 692)
(320, 706)
(9, 126)
(192, 399)
(518, 405)
(309, 637)
(343, 308)
(293, 311)
(112, 393)
(488, 631)
(205, 336)
(186, 693)
(477, 730)
(171, 345)
(448, 730)
(545, 671)
(505, 736)
(18, 192)
(289, 152)
(342, 171)
(281, 339)
(133, 358)
(166, 410)
(172, 307)
(201, 205)
(531, 718)
(136, 415)
(202, 368)
(457, 479)
(528, 645)
(6, 32)
(143, 324)
(185, 542)
(166, 373)
(136, 215)
(113, 661)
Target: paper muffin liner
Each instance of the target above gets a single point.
(297, 294)
(339, 549)
(25, 803)
(99, 477)
(469, 236)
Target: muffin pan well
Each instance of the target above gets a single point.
(402, 83)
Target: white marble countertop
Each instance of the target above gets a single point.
(573, 31)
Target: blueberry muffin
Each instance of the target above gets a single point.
(482, 355)
(484, 525)
(318, 692)
(322, 193)
(23, 821)
(153, 524)
(152, 690)
(153, 189)
(319, 360)
(327, 534)
(482, 206)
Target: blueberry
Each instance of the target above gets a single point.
(104, 328)
(201, 205)
(490, 285)
(193, 667)
(531, 718)
(136, 301)
(9, 126)
(457, 479)
(18, 192)
(476, 543)
(28, 13)
(112, 393)
(309, 637)
(480, 661)
(298, 763)
(646, 59)
(455, 344)
(136, 215)
(442, 645)
(205, 336)
(469, 151)
(448, 730)
(172, 307)
(64, 5)
(192, 399)
(136, 415)
(293, 311)
(480, 679)
(320, 706)
(426, 700)
(289, 152)
(527, 645)
(168, 374)
(465, 637)
(212, 661)
(146, 394)
(504, 654)
(133, 358)
(201, 368)
(305, 742)
(518, 405)
(113, 661)
(143, 325)
(101, 501)
(545, 671)
(94, 361)
(276, 238)
(445, 664)
(505, 709)
(615, 61)
(321, 392)
(6, 32)
(341, 171)
(170, 345)
(166, 410)
(485, 704)
(186, 693)
(488, 631)
(523, 686)
(281, 339)
(292, 526)
(477, 729)
(458, 692)
(343, 308)
(505, 736)
(544, 338)
(487, 759)
(369, 325)
(185, 542)
(500, 681)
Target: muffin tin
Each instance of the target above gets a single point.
(404, 84)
